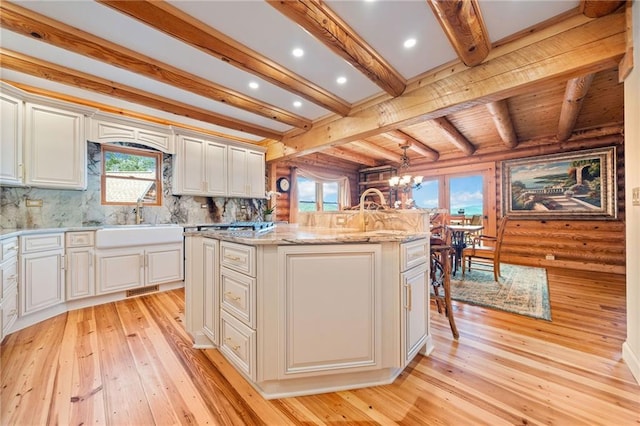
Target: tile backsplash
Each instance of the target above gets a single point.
(52, 208)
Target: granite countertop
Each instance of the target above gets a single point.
(15, 232)
(282, 234)
(293, 234)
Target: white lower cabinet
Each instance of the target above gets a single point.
(211, 300)
(42, 272)
(415, 297)
(80, 264)
(238, 306)
(8, 284)
(331, 297)
(134, 267)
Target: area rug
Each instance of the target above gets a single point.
(522, 290)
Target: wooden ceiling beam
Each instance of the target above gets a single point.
(599, 8)
(499, 111)
(414, 144)
(349, 155)
(462, 22)
(574, 94)
(454, 136)
(170, 20)
(589, 47)
(39, 27)
(53, 72)
(333, 32)
(378, 151)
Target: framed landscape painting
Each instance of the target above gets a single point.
(577, 185)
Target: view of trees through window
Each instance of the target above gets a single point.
(129, 175)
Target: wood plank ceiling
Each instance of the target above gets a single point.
(552, 82)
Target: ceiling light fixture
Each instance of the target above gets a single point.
(297, 104)
(341, 80)
(254, 85)
(409, 43)
(297, 52)
(405, 182)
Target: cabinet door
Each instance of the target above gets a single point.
(216, 169)
(80, 273)
(189, 167)
(42, 280)
(211, 302)
(55, 148)
(119, 270)
(256, 174)
(331, 309)
(238, 183)
(164, 264)
(8, 311)
(415, 314)
(11, 117)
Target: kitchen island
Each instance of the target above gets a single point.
(302, 311)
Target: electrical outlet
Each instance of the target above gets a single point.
(340, 220)
(550, 257)
(635, 196)
(33, 203)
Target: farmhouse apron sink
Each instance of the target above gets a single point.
(135, 235)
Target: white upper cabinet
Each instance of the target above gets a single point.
(55, 148)
(200, 167)
(246, 172)
(43, 141)
(106, 128)
(211, 167)
(11, 117)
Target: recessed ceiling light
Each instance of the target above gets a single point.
(297, 52)
(254, 85)
(409, 43)
(341, 80)
(297, 104)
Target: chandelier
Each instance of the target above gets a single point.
(405, 182)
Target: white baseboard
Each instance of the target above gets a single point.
(632, 360)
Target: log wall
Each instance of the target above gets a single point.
(592, 245)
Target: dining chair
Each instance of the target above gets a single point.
(440, 273)
(484, 251)
(475, 219)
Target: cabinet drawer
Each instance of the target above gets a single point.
(413, 254)
(238, 296)
(238, 344)
(80, 239)
(238, 257)
(42, 242)
(9, 310)
(9, 248)
(9, 276)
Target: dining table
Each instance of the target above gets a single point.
(458, 238)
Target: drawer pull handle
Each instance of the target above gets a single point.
(231, 296)
(231, 345)
(234, 258)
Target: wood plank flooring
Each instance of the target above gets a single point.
(131, 363)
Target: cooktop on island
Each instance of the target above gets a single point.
(238, 226)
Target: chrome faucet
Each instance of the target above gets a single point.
(138, 211)
(363, 222)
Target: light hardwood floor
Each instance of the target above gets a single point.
(131, 363)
